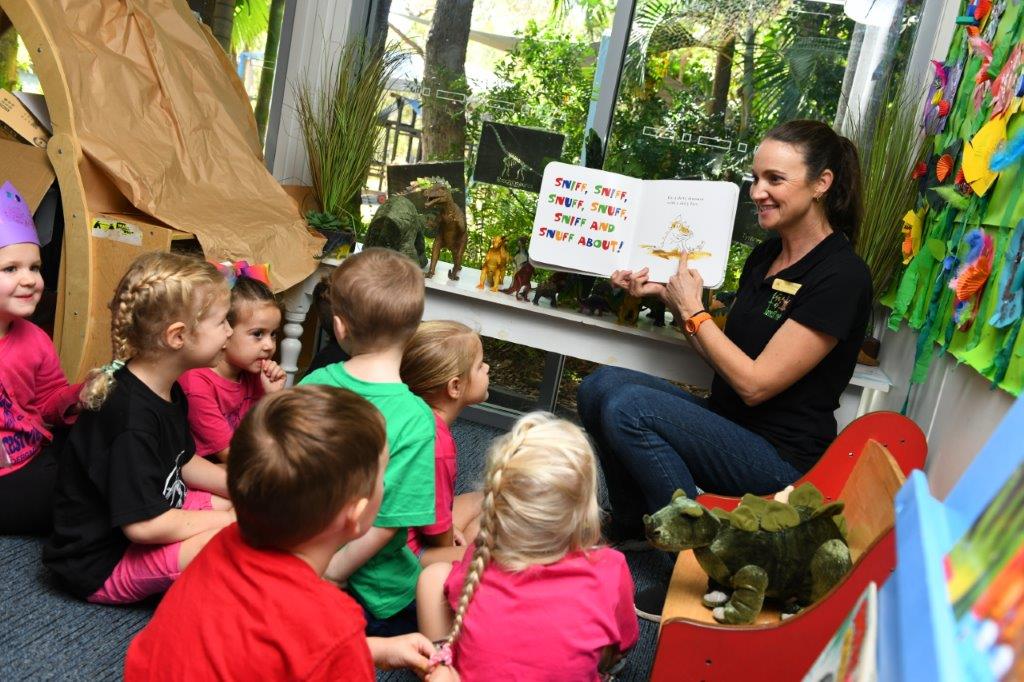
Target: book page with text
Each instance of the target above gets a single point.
(584, 220)
(694, 216)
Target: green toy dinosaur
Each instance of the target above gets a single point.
(399, 226)
(794, 552)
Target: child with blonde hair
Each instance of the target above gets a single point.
(377, 304)
(133, 506)
(537, 599)
(444, 364)
(219, 396)
(35, 398)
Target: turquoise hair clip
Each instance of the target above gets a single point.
(112, 367)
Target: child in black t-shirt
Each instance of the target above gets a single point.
(133, 506)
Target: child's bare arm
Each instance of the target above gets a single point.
(411, 651)
(445, 539)
(175, 525)
(204, 475)
(349, 558)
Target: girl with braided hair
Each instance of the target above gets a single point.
(537, 598)
(133, 506)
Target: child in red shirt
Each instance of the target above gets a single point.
(306, 476)
(219, 396)
(536, 599)
(34, 393)
(444, 364)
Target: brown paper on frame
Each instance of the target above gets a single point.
(159, 111)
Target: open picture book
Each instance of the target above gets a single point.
(594, 222)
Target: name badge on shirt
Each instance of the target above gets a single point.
(785, 287)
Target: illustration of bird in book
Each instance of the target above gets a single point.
(677, 238)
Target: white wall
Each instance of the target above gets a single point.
(321, 27)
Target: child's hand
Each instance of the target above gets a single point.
(272, 376)
(405, 651)
(442, 673)
(460, 539)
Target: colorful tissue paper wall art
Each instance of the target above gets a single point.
(961, 285)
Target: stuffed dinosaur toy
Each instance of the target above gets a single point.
(794, 552)
(397, 225)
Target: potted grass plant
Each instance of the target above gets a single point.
(340, 118)
(890, 147)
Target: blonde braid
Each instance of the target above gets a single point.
(502, 452)
(157, 289)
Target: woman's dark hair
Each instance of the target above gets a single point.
(822, 149)
(248, 290)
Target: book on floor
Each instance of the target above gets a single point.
(594, 222)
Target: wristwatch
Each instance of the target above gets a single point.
(694, 322)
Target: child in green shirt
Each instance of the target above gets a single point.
(377, 301)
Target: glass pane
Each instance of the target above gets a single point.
(527, 65)
(703, 82)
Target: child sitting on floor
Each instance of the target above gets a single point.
(34, 393)
(444, 365)
(536, 599)
(132, 505)
(219, 396)
(306, 475)
(377, 301)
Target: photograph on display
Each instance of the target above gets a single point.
(514, 156)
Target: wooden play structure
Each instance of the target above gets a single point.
(865, 468)
(154, 145)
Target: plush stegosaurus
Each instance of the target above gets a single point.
(794, 552)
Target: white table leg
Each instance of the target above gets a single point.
(297, 302)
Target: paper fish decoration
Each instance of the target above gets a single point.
(1005, 85)
(982, 9)
(943, 166)
(913, 223)
(1011, 282)
(920, 170)
(978, 152)
(970, 279)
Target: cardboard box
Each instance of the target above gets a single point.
(28, 168)
(17, 118)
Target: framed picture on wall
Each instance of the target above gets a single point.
(514, 156)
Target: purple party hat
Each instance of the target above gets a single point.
(16, 226)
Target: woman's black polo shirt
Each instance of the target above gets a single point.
(828, 290)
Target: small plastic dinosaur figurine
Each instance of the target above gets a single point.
(493, 272)
(448, 227)
(792, 551)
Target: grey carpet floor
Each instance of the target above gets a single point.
(47, 635)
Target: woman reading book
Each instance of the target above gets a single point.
(787, 352)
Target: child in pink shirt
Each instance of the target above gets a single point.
(219, 396)
(34, 393)
(536, 599)
(444, 364)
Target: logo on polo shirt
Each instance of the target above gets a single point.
(778, 304)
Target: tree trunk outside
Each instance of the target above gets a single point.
(748, 80)
(262, 112)
(9, 59)
(444, 120)
(723, 75)
(222, 21)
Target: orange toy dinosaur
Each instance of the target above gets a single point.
(495, 262)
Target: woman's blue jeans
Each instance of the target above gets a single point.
(653, 437)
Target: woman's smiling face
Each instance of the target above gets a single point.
(781, 190)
